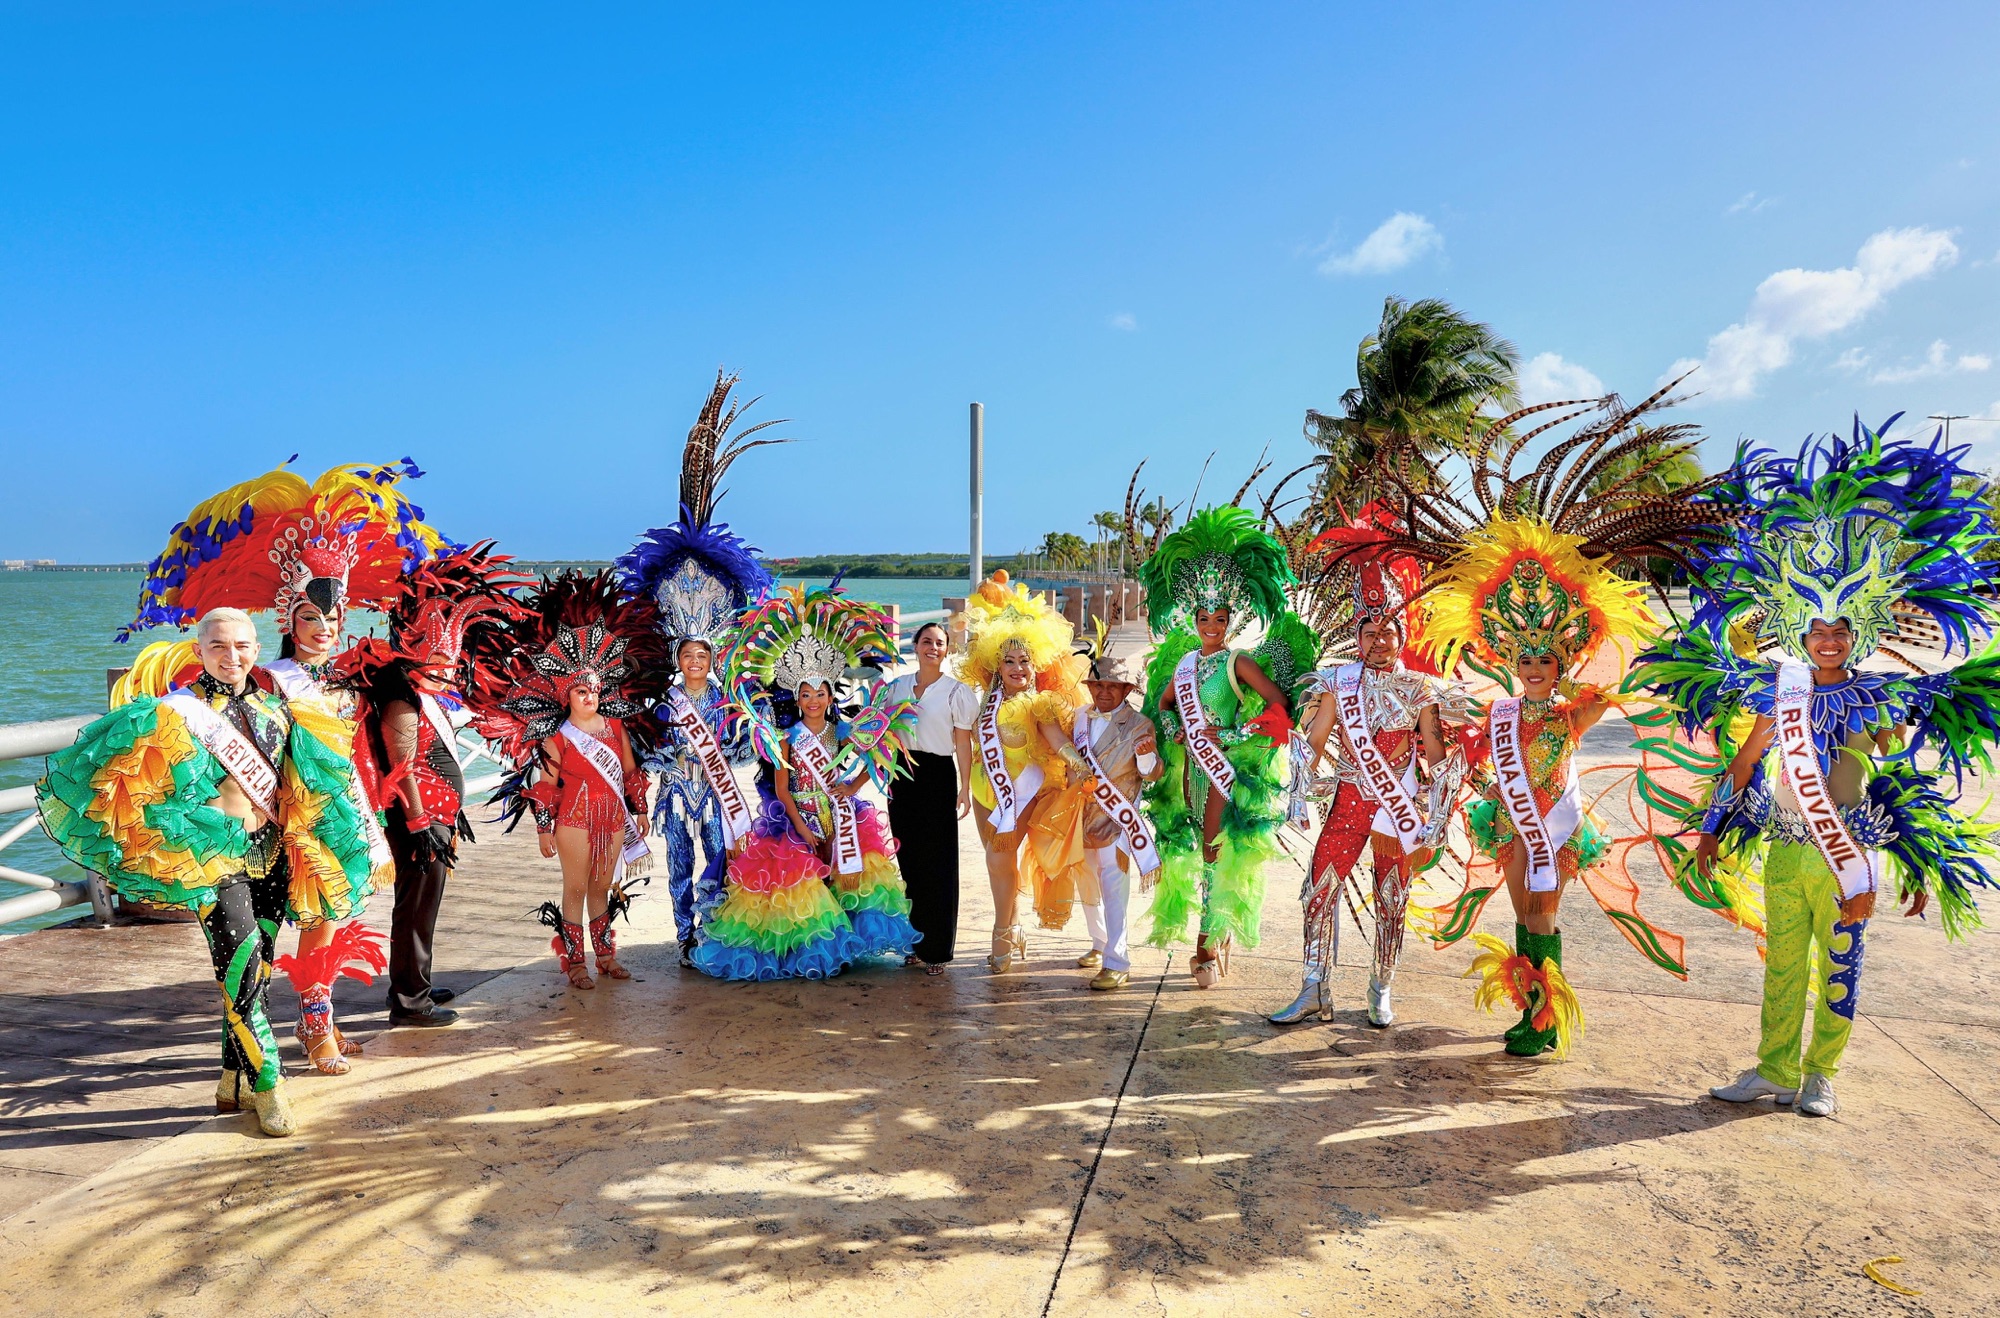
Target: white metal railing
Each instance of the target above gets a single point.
(22, 741)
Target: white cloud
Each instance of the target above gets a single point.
(1852, 361)
(1125, 320)
(1937, 361)
(1396, 242)
(1810, 304)
(1749, 202)
(1547, 378)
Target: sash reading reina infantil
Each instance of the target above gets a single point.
(1379, 780)
(1134, 838)
(235, 752)
(683, 717)
(817, 768)
(1541, 836)
(605, 760)
(1195, 729)
(1854, 867)
(993, 758)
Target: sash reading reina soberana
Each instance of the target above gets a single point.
(1134, 838)
(605, 760)
(1378, 779)
(1195, 729)
(1541, 835)
(683, 717)
(257, 776)
(1853, 866)
(816, 766)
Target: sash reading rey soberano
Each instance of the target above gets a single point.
(1379, 780)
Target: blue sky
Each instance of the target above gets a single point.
(516, 242)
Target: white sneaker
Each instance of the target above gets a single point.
(1751, 1086)
(1816, 1099)
(1380, 1013)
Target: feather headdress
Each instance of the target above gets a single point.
(1221, 559)
(274, 542)
(446, 617)
(1365, 583)
(799, 635)
(1002, 614)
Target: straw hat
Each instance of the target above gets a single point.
(1115, 670)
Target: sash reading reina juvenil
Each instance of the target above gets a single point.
(1379, 780)
(225, 741)
(1196, 730)
(1134, 838)
(636, 855)
(683, 717)
(816, 767)
(1853, 866)
(1541, 836)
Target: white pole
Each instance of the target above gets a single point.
(977, 565)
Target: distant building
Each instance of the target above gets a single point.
(13, 565)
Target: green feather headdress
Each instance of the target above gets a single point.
(1222, 559)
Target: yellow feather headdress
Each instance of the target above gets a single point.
(1520, 588)
(1001, 614)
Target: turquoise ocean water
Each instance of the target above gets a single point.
(55, 647)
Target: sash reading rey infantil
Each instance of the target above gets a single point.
(993, 758)
(1379, 780)
(1195, 728)
(1853, 866)
(605, 760)
(1134, 838)
(1541, 835)
(817, 768)
(687, 720)
(257, 776)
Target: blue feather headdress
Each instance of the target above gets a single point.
(1848, 529)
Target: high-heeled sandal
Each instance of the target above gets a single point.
(1210, 964)
(1010, 946)
(604, 945)
(568, 947)
(348, 1047)
(316, 1033)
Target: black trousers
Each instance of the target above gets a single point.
(242, 932)
(413, 921)
(923, 816)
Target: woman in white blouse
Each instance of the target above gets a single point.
(924, 809)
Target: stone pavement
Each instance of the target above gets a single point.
(977, 1145)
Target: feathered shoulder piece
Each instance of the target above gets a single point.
(578, 630)
(1846, 530)
(275, 542)
(1002, 614)
(1222, 558)
(699, 573)
(446, 615)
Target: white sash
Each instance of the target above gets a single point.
(1379, 781)
(1134, 838)
(225, 741)
(605, 760)
(298, 684)
(816, 767)
(687, 720)
(440, 722)
(1541, 835)
(1854, 867)
(1196, 732)
(292, 678)
(993, 758)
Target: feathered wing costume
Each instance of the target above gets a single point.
(701, 576)
(582, 632)
(1848, 531)
(806, 903)
(1221, 559)
(1019, 779)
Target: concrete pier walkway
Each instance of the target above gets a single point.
(890, 1143)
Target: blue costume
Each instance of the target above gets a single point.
(686, 810)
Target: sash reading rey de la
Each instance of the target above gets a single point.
(1541, 835)
(237, 754)
(1854, 867)
(687, 720)
(816, 767)
(1196, 731)
(1379, 780)
(636, 856)
(1134, 838)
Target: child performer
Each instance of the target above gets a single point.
(588, 667)
(1117, 744)
(1216, 809)
(1827, 545)
(816, 888)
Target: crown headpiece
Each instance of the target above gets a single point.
(798, 635)
(1222, 559)
(1003, 614)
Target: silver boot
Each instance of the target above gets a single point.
(1380, 1013)
(1315, 996)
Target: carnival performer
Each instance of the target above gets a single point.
(702, 576)
(1030, 786)
(307, 552)
(201, 799)
(1827, 545)
(587, 668)
(1382, 711)
(1218, 806)
(1118, 746)
(816, 887)
(925, 807)
(445, 638)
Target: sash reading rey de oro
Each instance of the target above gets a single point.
(1379, 779)
(1854, 866)
(816, 767)
(636, 855)
(237, 754)
(1134, 838)
(1541, 835)
(687, 720)
(1196, 731)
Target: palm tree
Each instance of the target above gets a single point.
(1065, 549)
